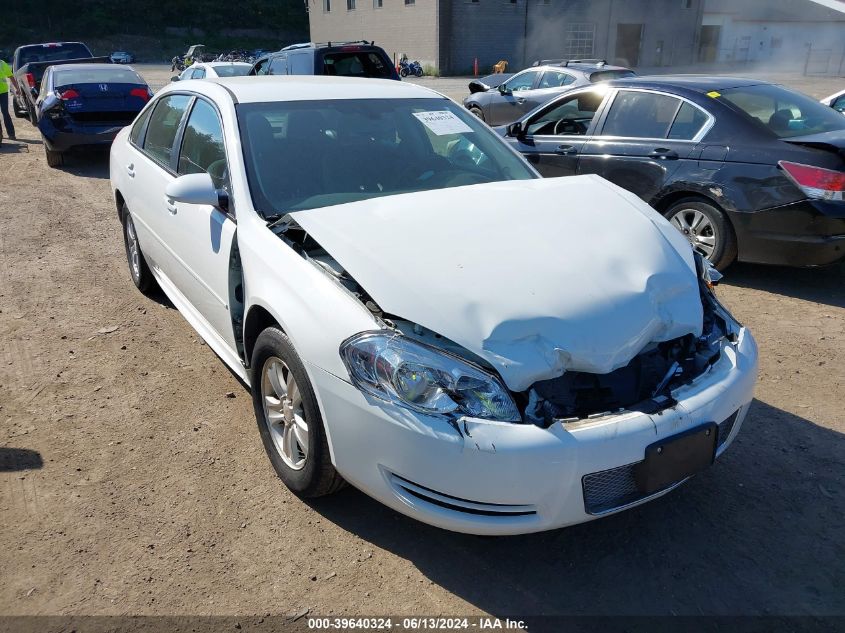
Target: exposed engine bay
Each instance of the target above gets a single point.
(644, 384)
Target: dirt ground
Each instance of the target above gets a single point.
(134, 481)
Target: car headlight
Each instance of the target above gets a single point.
(397, 369)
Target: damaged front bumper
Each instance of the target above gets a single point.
(504, 478)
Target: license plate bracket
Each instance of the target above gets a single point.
(676, 457)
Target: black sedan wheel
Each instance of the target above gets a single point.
(707, 229)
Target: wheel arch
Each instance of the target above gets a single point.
(119, 202)
(258, 318)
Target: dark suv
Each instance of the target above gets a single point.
(340, 59)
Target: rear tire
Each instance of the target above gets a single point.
(289, 419)
(54, 159)
(19, 113)
(33, 117)
(707, 228)
(477, 112)
(140, 272)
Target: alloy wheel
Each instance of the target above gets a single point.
(133, 249)
(698, 228)
(284, 413)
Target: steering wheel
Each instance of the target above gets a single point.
(570, 127)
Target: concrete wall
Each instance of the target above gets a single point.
(396, 27)
(451, 34)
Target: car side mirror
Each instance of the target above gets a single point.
(504, 90)
(515, 129)
(174, 78)
(197, 189)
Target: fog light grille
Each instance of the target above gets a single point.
(615, 488)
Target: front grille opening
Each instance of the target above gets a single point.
(615, 488)
(457, 504)
(644, 384)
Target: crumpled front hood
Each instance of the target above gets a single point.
(537, 277)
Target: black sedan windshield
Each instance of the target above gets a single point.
(308, 154)
(784, 112)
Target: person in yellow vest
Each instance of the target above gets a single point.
(5, 72)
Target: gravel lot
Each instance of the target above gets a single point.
(148, 492)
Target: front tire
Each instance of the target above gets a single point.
(140, 272)
(477, 112)
(707, 228)
(19, 113)
(289, 419)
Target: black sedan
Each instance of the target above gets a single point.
(86, 104)
(745, 169)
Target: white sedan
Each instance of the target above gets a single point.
(420, 315)
(213, 70)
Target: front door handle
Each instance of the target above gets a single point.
(565, 150)
(663, 153)
(520, 100)
(130, 169)
(171, 206)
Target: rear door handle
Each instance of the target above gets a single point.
(565, 150)
(171, 206)
(130, 169)
(663, 153)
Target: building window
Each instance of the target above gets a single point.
(327, 5)
(350, 5)
(579, 40)
(410, 2)
(689, 4)
(378, 4)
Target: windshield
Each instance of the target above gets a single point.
(52, 52)
(357, 64)
(784, 112)
(117, 75)
(309, 154)
(232, 71)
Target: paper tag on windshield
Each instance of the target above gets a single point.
(442, 122)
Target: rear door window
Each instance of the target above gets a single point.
(300, 64)
(688, 123)
(641, 115)
(839, 104)
(162, 128)
(278, 66)
(199, 73)
(555, 79)
(202, 145)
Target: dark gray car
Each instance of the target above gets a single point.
(522, 92)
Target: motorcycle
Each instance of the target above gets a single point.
(410, 68)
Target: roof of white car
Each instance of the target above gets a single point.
(308, 88)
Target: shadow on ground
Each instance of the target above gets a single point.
(820, 285)
(87, 163)
(759, 533)
(15, 459)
